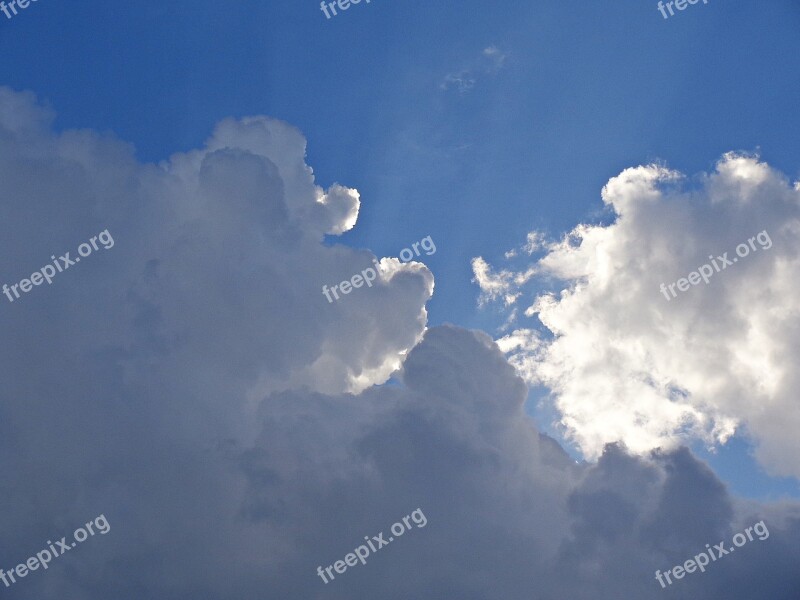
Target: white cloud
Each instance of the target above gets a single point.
(534, 242)
(625, 364)
(502, 284)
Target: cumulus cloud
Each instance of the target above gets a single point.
(628, 361)
(210, 299)
(194, 386)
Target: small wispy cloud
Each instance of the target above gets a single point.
(503, 284)
(495, 57)
(463, 81)
(490, 61)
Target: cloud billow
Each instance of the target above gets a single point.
(196, 388)
(625, 364)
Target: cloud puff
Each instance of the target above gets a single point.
(193, 385)
(628, 361)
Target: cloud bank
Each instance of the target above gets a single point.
(195, 387)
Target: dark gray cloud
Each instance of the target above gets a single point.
(510, 515)
(193, 385)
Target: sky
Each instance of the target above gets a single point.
(565, 426)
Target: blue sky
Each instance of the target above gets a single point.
(583, 91)
(190, 385)
(471, 122)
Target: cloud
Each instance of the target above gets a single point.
(490, 62)
(624, 362)
(162, 348)
(495, 57)
(510, 515)
(194, 386)
(501, 284)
